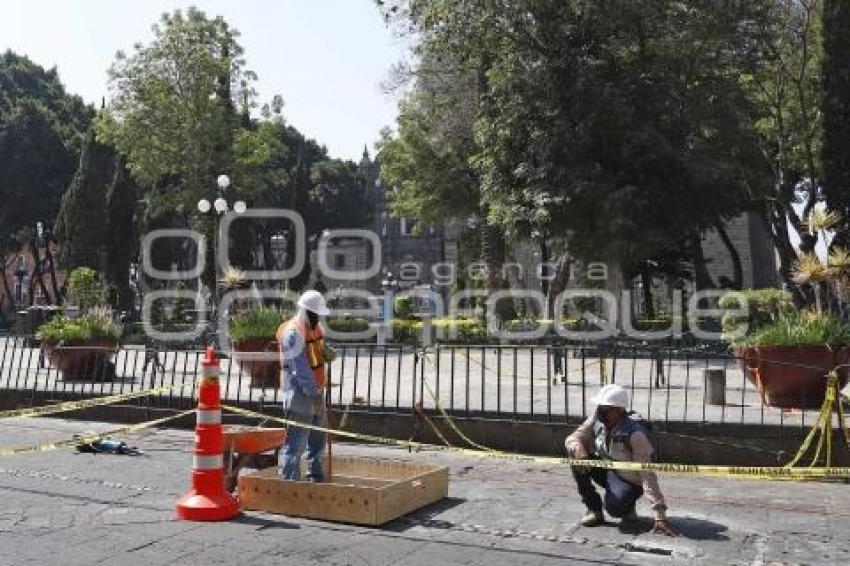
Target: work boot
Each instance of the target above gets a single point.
(593, 518)
(630, 518)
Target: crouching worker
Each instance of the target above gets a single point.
(303, 354)
(613, 434)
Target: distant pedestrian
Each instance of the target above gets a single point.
(611, 433)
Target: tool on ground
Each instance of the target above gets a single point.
(108, 446)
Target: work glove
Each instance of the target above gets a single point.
(328, 353)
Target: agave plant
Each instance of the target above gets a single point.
(233, 278)
(822, 220)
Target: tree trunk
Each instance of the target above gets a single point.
(57, 296)
(777, 227)
(493, 254)
(6, 288)
(737, 269)
(646, 285)
(563, 265)
(544, 259)
(702, 277)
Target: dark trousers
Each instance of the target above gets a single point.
(620, 495)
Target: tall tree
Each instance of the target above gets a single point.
(171, 111)
(617, 127)
(122, 238)
(836, 113)
(81, 224)
(41, 132)
(784, 88)
(172, 114)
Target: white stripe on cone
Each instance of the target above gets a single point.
(200, 462)
(208, 417)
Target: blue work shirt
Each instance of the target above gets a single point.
(299, 385)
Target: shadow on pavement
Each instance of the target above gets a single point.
(688, 527)
(425, 515)
(264, 523)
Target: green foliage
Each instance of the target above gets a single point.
(801, 328)
(615, 127)
(82, 223)
(260, 323)
(406, 331)
(764, 307)
(84, 288)
(181, 305)
(340, 324)
(459, 330)
(403, 307)
(427, 161)
(172, 111)
(85, 328)
(41, 131)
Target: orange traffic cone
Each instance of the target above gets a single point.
(208, 500)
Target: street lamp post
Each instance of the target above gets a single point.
(220, 205)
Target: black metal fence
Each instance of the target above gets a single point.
(542, 383)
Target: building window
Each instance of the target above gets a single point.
(339, 261)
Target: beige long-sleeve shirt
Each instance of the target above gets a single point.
(641, 451)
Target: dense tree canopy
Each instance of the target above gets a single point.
(620, 127)
(41, 132)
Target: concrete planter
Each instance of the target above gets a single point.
(82, 361)
(258, 357)
(792, 376)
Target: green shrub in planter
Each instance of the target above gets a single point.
(764, 307)
(84, 288)
(406, 331)
(260, 323)
(83, 329)
(347, 324)
(800, 328)
(468, 330)
(403, 307)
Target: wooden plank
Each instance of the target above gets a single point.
(408, 496)
(363, 491)
(265, 491)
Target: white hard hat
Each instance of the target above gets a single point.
(612, 396)
(313, 301)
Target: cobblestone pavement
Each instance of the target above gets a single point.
(66, 508)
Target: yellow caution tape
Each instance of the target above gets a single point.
(741, 472)
(822, 426)
(91, 437)
(84, 404)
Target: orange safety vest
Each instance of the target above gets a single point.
(314, 346)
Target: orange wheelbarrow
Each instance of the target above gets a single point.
(249, 447)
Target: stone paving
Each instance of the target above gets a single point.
(66, 508)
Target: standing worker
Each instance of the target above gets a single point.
(303, 355)
(611, 433)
